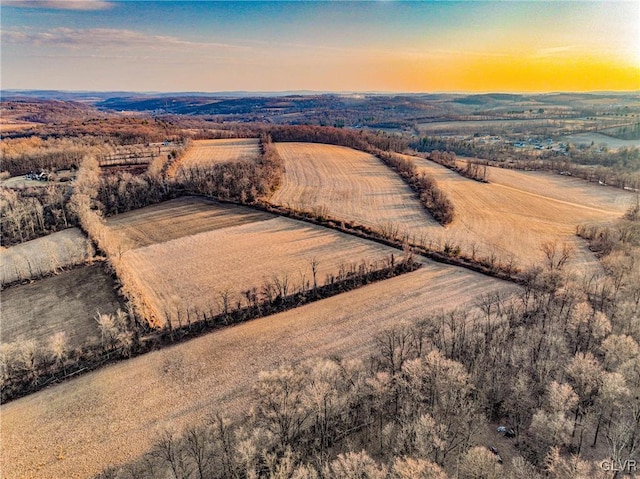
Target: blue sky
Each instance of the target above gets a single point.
(338, 46)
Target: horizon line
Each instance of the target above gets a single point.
(324, 92)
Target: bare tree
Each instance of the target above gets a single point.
(169, 452)
(196, 447)
(557, 256)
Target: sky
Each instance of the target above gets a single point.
(266, 46)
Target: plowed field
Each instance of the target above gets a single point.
(194, 273)
(65, 303)
(349, 185)
(517, 212)
(177, 218)
(112, 415)
(204, 153)
(192, 254)
(509, 218)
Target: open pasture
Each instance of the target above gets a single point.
(517, 212)
(45, 255)
(600, 139)
(211, 271)
(203, 153)
(65, 303)
(114, 414)
(349, 185)
(170, 220)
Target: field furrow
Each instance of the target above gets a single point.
(517, 212)
(203, 153)
(349, 185)
(112, 415)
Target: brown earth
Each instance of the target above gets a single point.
(65, 303)
(517, 212)
(75, 429)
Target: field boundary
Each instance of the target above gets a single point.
(49, 274)
(449, 256)
(93, 357)
(475, 170)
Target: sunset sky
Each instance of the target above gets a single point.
(428, 46)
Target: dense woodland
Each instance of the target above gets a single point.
(30, 213)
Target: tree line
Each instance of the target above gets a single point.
(556, 362)
(431, 196)
(29, 213)
(28, 365)
(472, 169)
(617, 168)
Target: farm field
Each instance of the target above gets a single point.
(44, 255)
(174, 219)
(598, 139)
(517, 212)
(9, 125)
(76, 428)
(484, 125)
(563, 188)
(66, 303)
(349, 185)
(205, 153)
(199, 273)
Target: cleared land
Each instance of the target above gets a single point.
(485, 125)
(177, 218)
(600, 139)
(511, 217)
(112, 415)
(208, 152)
(45, 255)
(66, 303)
(517, 212)
(349, 185)
(195, 273)
(8, 125)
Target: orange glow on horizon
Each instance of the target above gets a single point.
(511, 74)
